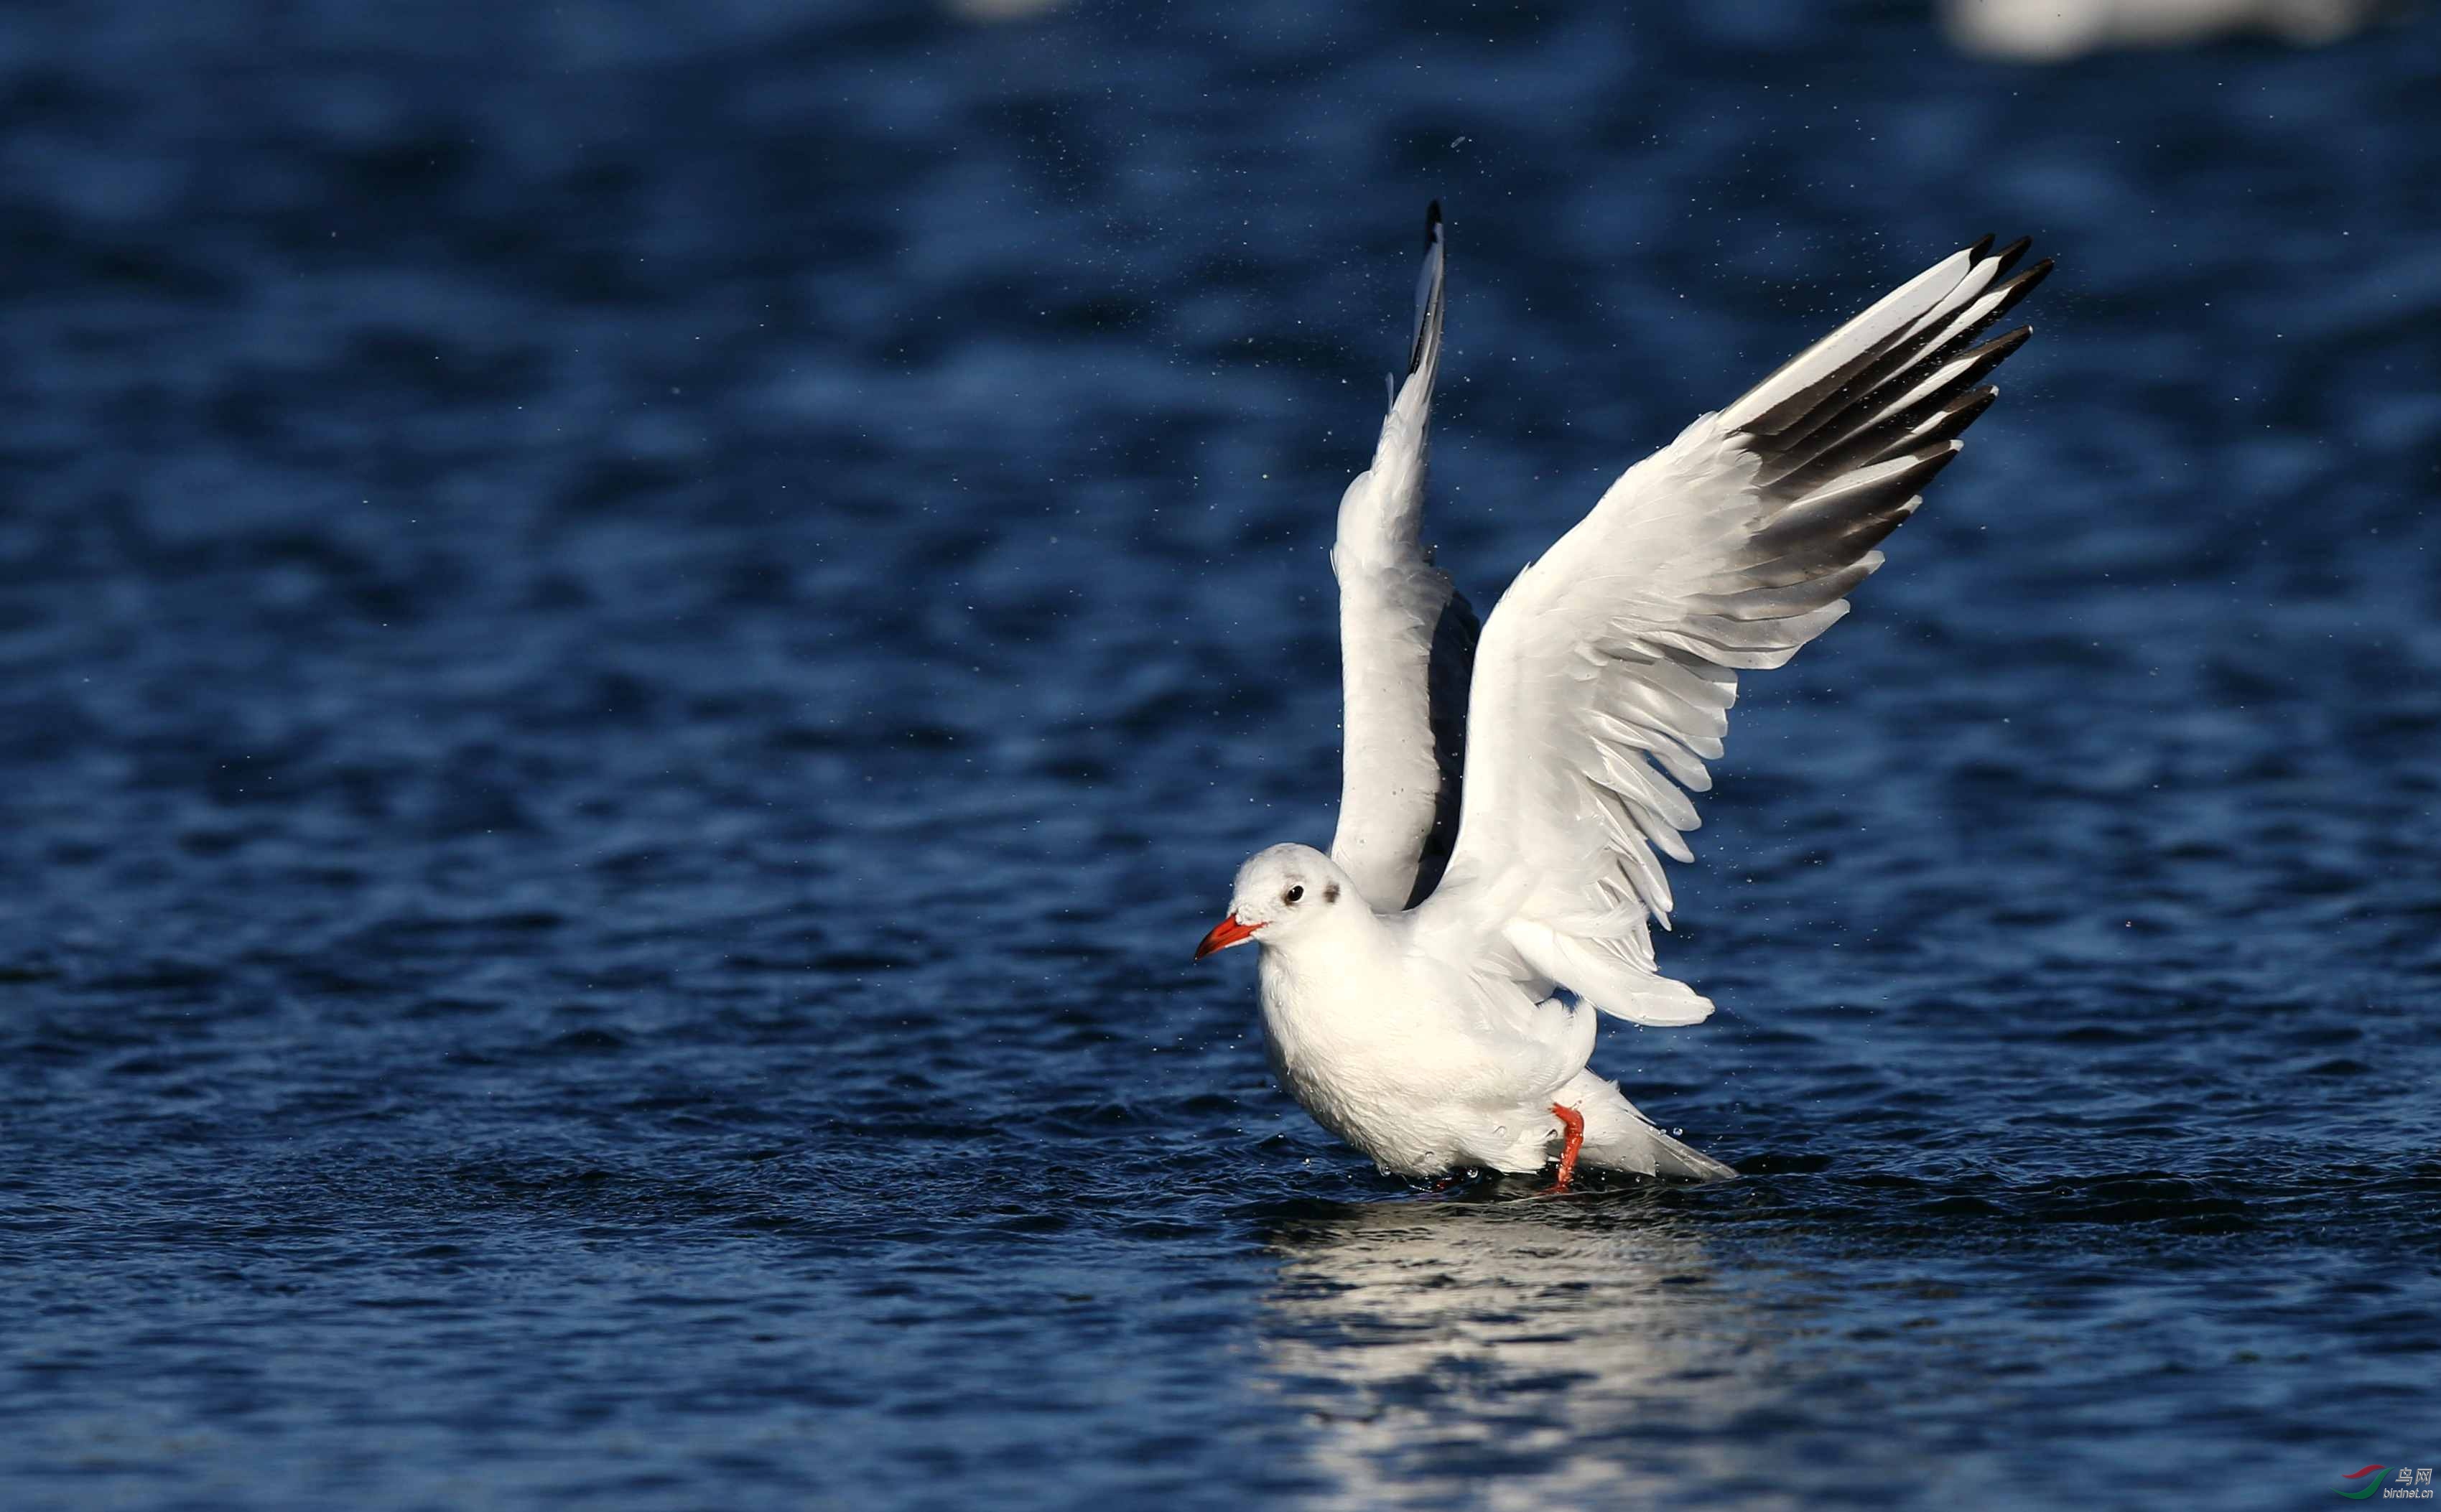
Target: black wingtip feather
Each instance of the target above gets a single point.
(2000, 346)
(1428, 292)
(1810, 524)
(1961, 414)
(1892, 408)
(2009, 294)
(1974, 253)
(2007, 257)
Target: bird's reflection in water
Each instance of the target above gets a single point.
(1506, 1351)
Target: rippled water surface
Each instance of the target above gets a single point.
(634, 642)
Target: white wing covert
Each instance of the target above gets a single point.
(1407, 643)
(1607, 670)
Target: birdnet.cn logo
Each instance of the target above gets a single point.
(2396, 1482)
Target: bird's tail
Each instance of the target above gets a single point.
(1618, 1138)
(1670, 1158)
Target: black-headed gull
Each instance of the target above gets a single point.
(1412, 979)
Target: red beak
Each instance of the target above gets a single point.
(1224, 934)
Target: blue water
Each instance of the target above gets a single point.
(635, 640)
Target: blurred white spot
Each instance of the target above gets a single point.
(2053, 30)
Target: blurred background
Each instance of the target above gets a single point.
(635, 640)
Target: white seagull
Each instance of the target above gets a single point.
(1412, 979)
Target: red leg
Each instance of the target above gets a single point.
(1574, 1122)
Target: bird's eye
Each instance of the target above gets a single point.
(1292, 894)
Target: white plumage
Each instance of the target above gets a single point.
(1412, 980)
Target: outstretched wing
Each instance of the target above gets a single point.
(1614, 659)
(1406, 640)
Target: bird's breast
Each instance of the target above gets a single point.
(1358, 1056)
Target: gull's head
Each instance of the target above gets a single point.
(1280, 894)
